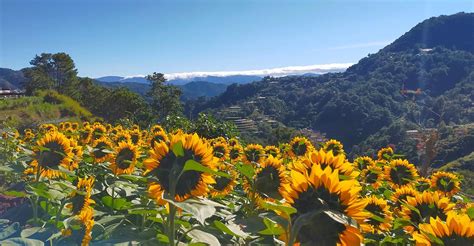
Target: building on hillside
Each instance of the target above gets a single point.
(9, 93)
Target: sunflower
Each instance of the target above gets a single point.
(324, 159)
(86, 217)
(156, 128)
(422, 184)
(364, 162)
(77, 153)
(86, 124)
(400, 173)
(48, 128)
(85, 135)
(285, 150)
(270, 180)
(428, 204)
(81, 199)
(272, 150)
(220, 150)
(74, 126)
(136, 137)
(372, 175)
(445, 182)
(385, 154)
(115, 130)
(253, 153)
(52, 151)
(122, 136)
(379, 209)
(334, 146)
(157, 137)
(218, 140)
(458, 229)
(29, 136)
(400, 196)
(98, 131)
(233, 142)
(108, 127)
(123, 162)
(323, 189)
(235, 152)
(102, 150)
(300, 146)
(135, 127)
(165, 168)
(224, 185)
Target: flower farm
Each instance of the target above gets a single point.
(94, 183)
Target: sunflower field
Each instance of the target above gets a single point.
(94, 183)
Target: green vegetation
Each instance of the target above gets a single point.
(44, 106)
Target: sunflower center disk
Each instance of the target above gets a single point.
(400, 175)
(124, 158)
(188, 180)
(52, 157)
(268, 182)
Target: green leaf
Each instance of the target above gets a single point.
(399, 223)
(246, 170)
(199, 236)
(197, 209)
(9, 230)
(21, 241)
(133, 178)
(192, 165)
(470, 212)
(109, 219)
(6, 169)
(118, 203)
(272, 228)
(278, 207)
(177, 149)
(434, 239)
(163, 238)
(339, 217)
(221, 226)
(15, 193)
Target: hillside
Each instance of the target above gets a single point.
(400, 88)
(44, 107)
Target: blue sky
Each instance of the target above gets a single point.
(119, 37)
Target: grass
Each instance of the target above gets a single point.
(44, 106)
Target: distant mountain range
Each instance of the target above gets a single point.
(226, 80)
(191, 90)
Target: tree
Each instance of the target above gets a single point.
(52, 71)
(165, 98)
(123, 103)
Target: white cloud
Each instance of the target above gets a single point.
(276, 72)
(360, 45)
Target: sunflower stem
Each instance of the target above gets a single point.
(172, 212)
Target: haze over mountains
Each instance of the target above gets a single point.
(238, 77)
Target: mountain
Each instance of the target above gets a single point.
(416, 83)
(196, 89)
(191, 90)
(449, 31)
(226, 80)
(11, 79)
